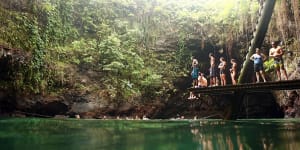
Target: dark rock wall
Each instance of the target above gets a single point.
(259, 105)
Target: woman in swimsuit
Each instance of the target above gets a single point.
(222, 67)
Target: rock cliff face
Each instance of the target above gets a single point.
(260, 105)
(178, 106)
(69, 105)
(290, 101)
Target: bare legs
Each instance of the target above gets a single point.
(233, 78)
(262, 75)
(223, 79)
(279, 73)
(213, 81)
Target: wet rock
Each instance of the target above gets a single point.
(61, 117)
(292, 106)
(88, 115)
(126, 109)
(18, 115)
(82, 107)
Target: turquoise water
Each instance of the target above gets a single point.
(53, 134)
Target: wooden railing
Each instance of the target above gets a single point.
(250, 87)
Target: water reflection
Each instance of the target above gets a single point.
(149, 135)
(247, 134)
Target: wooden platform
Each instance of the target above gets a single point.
(250, 87)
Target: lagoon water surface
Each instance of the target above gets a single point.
(71, 134)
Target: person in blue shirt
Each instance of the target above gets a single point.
(258, 59)
(195, 72)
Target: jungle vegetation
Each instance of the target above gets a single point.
(130, 50)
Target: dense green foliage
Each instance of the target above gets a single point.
(127, 48)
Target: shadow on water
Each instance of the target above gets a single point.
(72, 134)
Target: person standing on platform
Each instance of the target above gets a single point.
(258, 59)
(194, 74)
(233, 71)
(195, 71)
(276, 52)
(212, 70)
(222, 67)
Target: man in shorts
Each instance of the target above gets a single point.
(276, 53)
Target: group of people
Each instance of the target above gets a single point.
(258, 58)
(222, 71)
